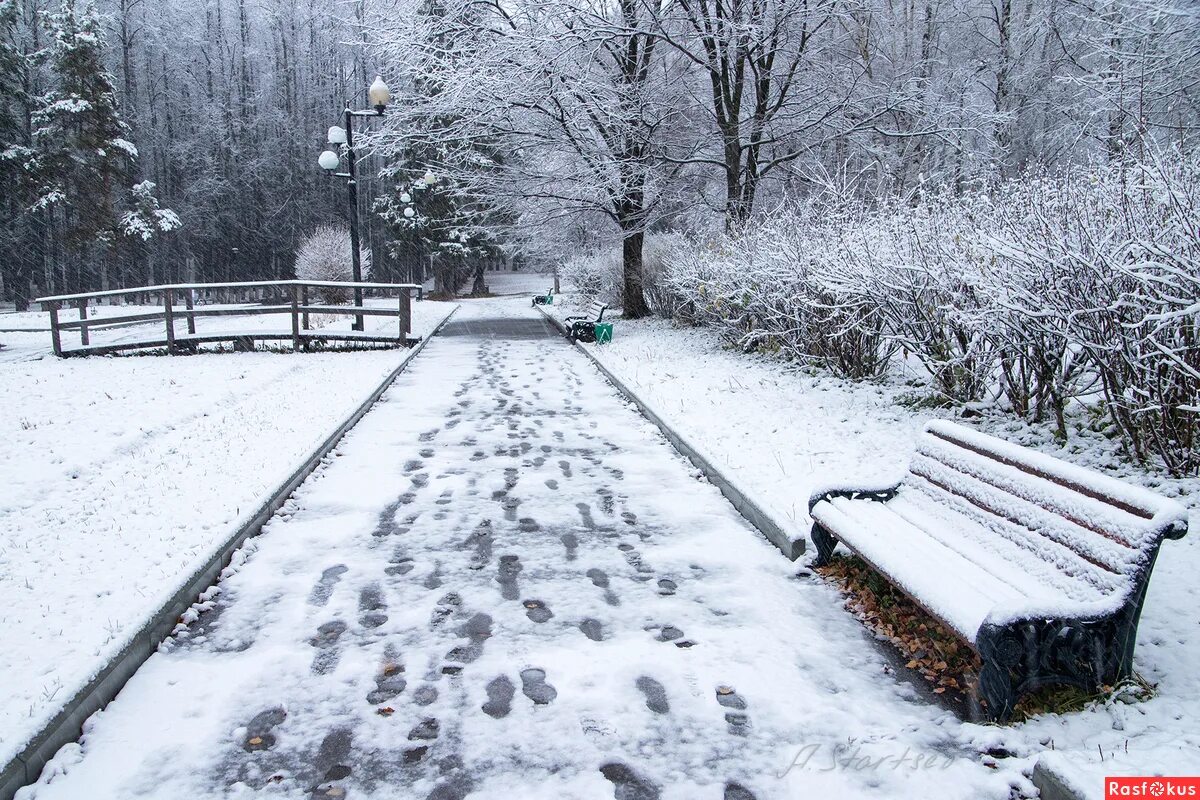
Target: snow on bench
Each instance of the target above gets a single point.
(1037, 564)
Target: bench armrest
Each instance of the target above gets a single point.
(1176, 531)
(880, 492)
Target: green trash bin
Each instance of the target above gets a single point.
(603, 332)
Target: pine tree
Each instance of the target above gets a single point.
(83, 159)
(15, 259)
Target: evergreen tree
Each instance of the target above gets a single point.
(83, 158)
(15, 259)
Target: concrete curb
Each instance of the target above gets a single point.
(66, 726)
(1053, 785)
(791, 544)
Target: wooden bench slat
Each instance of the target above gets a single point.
(1038, 525)
(1059, 480)
(975, 540)
(1017, 526)
(1089, 513)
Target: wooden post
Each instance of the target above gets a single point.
(84, 339)
(169, 315)
(304, 302)
(191, 315)
(405, 314)
(295, 319)
(55, 334)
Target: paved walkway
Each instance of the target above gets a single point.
(505, 584)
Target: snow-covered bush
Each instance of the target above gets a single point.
(598, 274)
(919, 272)
(1118, 249)
(1082, 287)
(780, 286)
(325, 255)
(656, 254)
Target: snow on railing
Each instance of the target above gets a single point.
(292, 296)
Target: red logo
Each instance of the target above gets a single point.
(1151, 787)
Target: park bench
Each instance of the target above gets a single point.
(582, 327)
(1040, 566)
(544, 299)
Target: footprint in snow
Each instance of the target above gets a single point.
(737, 719)
(325, 641)
(537, 611)
(477, 630)
(425, 730)
(571, 543)
(372, 604)
(388, 683)
(627, 784)
(599, 579)
(506, 576)
(534, 686)
(324, 588)
(434, 579)
(500, 693)
(258, 731)
(593, 629)
(399, 564)
(448, 605)
(655, 694)
(481, 541)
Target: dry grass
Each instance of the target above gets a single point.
(946, 663)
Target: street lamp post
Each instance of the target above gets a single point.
(379, 95)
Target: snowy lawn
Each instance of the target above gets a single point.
(784, 431)
(121, 475)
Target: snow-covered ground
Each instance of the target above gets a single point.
(518, 283)
(784, 431)
(121, 475)
(518, 589)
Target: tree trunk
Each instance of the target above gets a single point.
(478, 287)
(634, 297)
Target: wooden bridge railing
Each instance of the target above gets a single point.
(291, 297)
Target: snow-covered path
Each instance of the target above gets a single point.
(511, 586)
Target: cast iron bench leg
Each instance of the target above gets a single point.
(825, 542)
(1000, 652)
